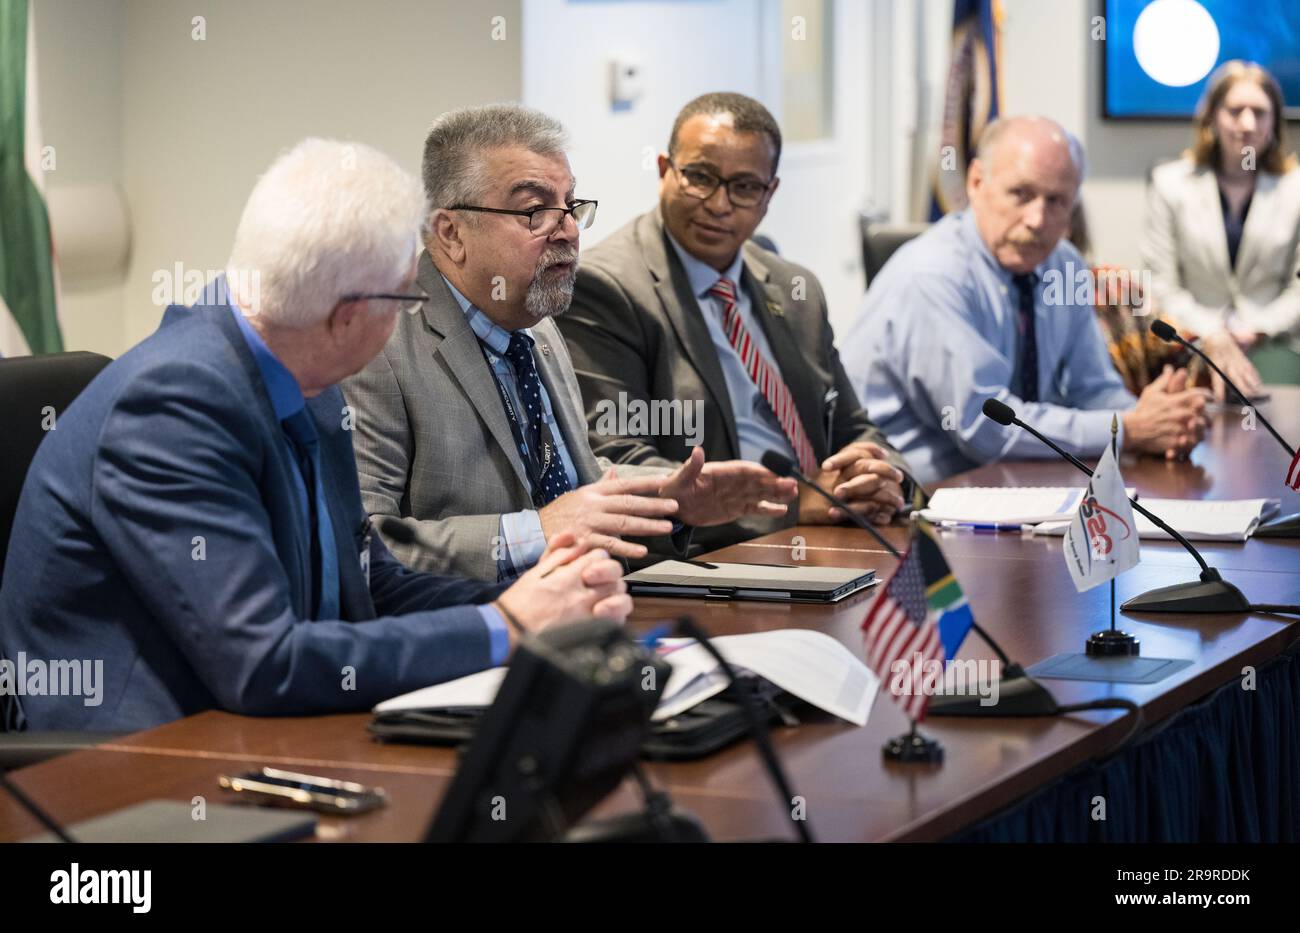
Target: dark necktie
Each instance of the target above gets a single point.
(1025, 283)
(324, 558)
(543, 462)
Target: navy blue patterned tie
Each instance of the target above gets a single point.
(552, 481)
(325, 564)
(1025, 283)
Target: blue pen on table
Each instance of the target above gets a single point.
(986, 527)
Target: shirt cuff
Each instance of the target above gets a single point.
(524, 540)
(498, 634)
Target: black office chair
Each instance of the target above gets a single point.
(880, 240)
(31, 388)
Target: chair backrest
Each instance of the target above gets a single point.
(31, 389)
(881, 240)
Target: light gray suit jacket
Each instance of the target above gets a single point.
(1186, 249)
(432, 441)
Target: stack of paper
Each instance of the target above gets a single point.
(1194, 519)
(1026, 505)
(807, 664)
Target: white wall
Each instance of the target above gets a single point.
(686, 48)
(79, 62)
(203, 118)
(183, 126)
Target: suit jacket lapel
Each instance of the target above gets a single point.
(683, 310)
(771, 305)
(572, 421)
(459, 346)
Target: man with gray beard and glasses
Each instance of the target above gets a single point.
(470, 436)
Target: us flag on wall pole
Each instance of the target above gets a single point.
(29, 321)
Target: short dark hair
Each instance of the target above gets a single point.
(747, 114)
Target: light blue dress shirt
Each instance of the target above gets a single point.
(287, 399)
(938, 333)
(520, 531)
(757, 429)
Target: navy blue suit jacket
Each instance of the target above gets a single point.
(159, 531)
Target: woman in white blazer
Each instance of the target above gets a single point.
(1223, 231)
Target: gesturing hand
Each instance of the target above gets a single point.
(721, 492)
(601, 514)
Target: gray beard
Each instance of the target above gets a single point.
(551, 296)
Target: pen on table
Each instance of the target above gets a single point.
(988, 527)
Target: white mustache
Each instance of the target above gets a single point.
(556, 257)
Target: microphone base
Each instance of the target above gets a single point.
(1209, 594)
(1110, 643)
(913, 748)
(1018, 695)
(1284, 526)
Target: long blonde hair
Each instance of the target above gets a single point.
(1277, 157)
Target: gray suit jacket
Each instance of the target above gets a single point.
(432, 441)
(1185, 248)
(635, 328)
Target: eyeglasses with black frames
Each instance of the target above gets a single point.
(543, 221)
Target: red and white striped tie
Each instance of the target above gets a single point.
(764, 376)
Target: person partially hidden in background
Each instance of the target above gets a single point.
(1222, 234)
(195, 522)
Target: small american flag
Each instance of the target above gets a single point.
(1293, 473)
(899, 625)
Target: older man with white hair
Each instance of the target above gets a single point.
(987, 304)
(195, 522)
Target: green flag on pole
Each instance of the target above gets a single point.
(28, 295)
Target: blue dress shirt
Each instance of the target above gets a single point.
(938, 333)
(521, 531)
(286, 399)
(757, 430)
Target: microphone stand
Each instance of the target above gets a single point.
(1211, 593)
(1282, 526)
(1111, 642)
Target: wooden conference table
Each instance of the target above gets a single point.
(1020, 591)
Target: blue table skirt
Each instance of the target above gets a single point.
(1226, 769)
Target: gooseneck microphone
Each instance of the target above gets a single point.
(1211, 594)
(1167, 333)
(1283, 526)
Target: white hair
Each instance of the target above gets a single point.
(327, 219)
